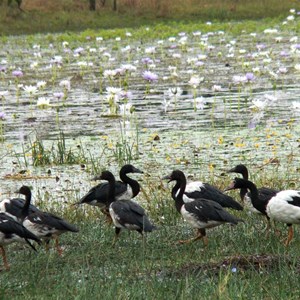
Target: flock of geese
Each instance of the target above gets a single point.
(202, 206)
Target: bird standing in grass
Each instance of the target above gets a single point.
(44, 225)
(12, 231)
(126, 189)
(199, 213)
(284, 206)
(264, 193)
(197, 189)
(13, 208)
(125, 214)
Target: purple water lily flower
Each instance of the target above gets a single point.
(2, 115)
(17, 73)
(147, 60)
(149, 76)
(250, 77)
(2, 69)
(58, 95)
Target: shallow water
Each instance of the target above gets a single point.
(227, 129)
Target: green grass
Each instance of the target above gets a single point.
(156, 267)
(68, 17)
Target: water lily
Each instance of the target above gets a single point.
(66, 84)
(216, 88)
(259, 104)
(17, 73)
(150, 76)
(43, 102)
(30, 89)
(41, 84)
(195, 81)
(296, 105)
(200, 103)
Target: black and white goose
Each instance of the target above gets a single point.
(283, 207)
(126, 189)
(125, 214)
(264, 193)
(13, 208)
(200, 213)
(12, 231)
(198, 189)
(44, 225)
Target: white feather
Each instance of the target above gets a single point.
(195, 222)
(281, 210)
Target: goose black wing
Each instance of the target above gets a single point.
(131, 213)
(99, 193)
(51, 221)
(207, 210)
(8, 226)
(207, 191)
(15, 205)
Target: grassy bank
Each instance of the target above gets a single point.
(239, 262)
(58, 16)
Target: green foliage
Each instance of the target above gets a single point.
(145, 13)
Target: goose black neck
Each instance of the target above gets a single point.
(245, 175)
(132, 183)
(256, 202)
(175, 190)
(25, 209)
(111, 196)
(181, 182)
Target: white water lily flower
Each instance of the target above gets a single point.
(270, 31)
(216, 88)
(113, 90)
(270, 98)
(296, 105)
(150, 50)
(297, 67)
(237, 79)
(41, 84)
(129, 68)
(66, 84)
(177, 55)
(43, 102)
(126, 109)
(30, 89)
(200, 103)
(195, 81)
(291, 18)
(109, 73)
(126, 49)
(259, 104)
(176, 91)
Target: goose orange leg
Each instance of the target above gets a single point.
(201, 234)
(58, 248)
(6, 265)
(290, 235)
(117, 231)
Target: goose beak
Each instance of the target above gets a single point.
(231, 170)
(230, 187)
(168, 177)
(135, 170)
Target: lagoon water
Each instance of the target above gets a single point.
(218, 100)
